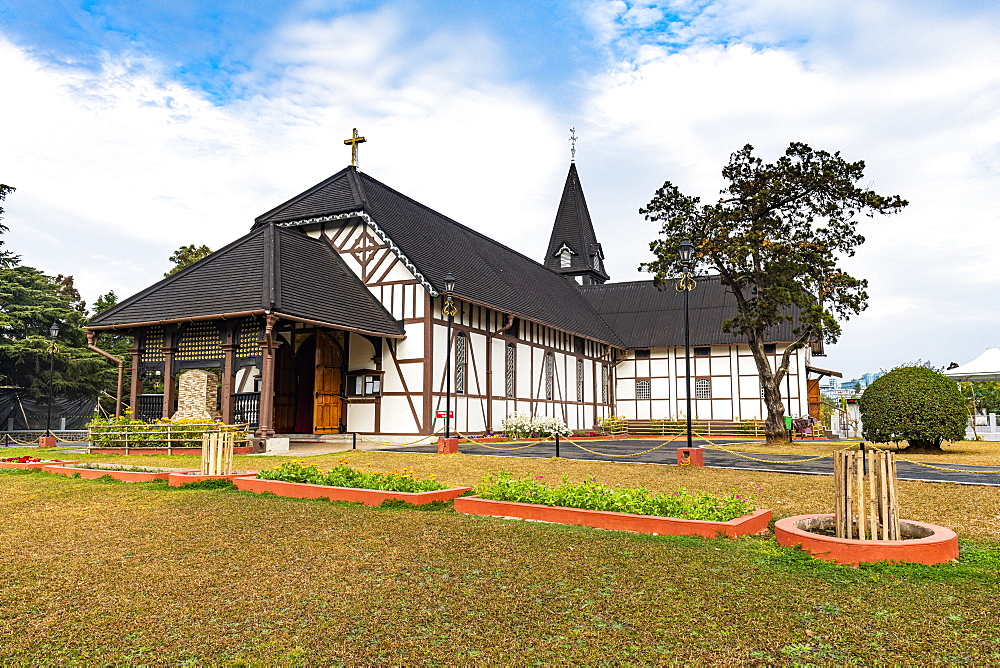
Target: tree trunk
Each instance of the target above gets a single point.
(770, 381)
(923, 446)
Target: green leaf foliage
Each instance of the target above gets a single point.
(29, 303)
(5, 256)
(593, 495)
(776, 237)
(185, 256)
(913, 404)
(345, 476)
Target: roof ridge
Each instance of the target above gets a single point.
(167, 280)
(464, 227)
(262, 218)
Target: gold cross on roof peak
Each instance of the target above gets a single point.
(354, 141)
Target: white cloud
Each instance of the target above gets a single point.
(116, 168)
(912, 93)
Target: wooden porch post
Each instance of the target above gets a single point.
(229, 347)
(265, 427)
(169, 393)
(135, 386)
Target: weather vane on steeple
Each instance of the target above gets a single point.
(572, 139)
(354, 141)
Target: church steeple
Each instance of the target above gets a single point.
(573, 249)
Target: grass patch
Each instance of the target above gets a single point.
(139, 574)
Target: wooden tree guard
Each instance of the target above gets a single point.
(217, 453)
(865, 491)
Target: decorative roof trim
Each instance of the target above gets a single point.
(379, 232)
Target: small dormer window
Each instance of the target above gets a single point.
(565, 254)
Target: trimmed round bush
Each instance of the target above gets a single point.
(913, 404)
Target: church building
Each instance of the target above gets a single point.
(328, 317)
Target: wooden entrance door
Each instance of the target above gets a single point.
(815, 409)
(284, 391)
(328, 404)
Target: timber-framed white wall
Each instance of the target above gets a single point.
(731, 375)
(413, 385)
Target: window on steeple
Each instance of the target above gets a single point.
(564, 258)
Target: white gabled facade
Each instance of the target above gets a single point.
(651, 383)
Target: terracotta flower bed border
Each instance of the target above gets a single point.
(369, 497)
(33, 465)
(938, 548)
(176, 479)
(752, 523)
(124, 476)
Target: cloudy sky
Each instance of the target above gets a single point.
(131, 128)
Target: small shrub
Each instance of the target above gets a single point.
(913, 404)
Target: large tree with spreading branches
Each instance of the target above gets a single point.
(776, 236)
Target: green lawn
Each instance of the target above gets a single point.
(97, 572)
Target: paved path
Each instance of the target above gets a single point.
(977, 475)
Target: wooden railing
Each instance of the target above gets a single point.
(246, 408)
(148, 407)
(187, 435)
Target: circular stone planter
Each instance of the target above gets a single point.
(925, 544)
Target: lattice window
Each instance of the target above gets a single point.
(702, 389)
(249, 338)
(511, 369)
(200, 341)
(550, 372)
(605, 382)
(154, 345)
(579, 380)
(461, 358)
(642, 389)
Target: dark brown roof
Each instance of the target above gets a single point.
(273, 269)
(644, 316)
(487, 272)
(337, 194)
(574, 228)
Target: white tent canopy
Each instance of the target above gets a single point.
(984, 367)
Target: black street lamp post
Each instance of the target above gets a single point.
(450, 311)
(53, 332)
(686, 284)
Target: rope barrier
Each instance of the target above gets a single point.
(940, 468)
(489, 447)
(714, 446)
(634, 454)
(396, 445)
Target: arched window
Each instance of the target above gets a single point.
(604, 383)
(550, 370)
(461, 355)
(511, 366)
(642, 389)
(703, 388)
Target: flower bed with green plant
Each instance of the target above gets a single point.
(112, 467)
(593, 495)
(21, 460)
(118, 432)
(345, 476)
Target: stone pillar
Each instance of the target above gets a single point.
(197, 397)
